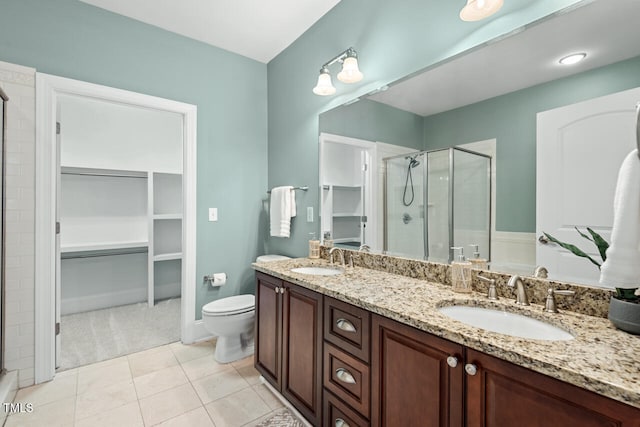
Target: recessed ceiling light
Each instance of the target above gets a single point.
(574, 58)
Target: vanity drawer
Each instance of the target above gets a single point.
(347, 327)
(348, 378)
(337, 414)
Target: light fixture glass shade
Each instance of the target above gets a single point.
(324, 86)
(476, 10)
(350, 72)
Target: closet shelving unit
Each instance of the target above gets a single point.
(165, 231)
(110, 212)
(342, 212)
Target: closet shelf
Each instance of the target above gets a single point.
(72, 170)
(347, 239)
(96, 250)
(103, 246)
(167, 216)
(168, 256)
(346, 215)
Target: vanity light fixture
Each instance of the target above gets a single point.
(475, 10)
(349, 74)
(574, 58)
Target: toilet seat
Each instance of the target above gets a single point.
(237, 304)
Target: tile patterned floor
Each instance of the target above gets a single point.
(172, 385)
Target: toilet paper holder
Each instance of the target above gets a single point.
(216, 279)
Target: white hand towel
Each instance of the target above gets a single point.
(622, 267)
(282, 209)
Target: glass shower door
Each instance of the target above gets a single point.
(472, 202)
(438, 206)
(404, 206)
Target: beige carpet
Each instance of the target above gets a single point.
(112, 332)
(282, 419)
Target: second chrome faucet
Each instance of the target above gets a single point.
(521, 293)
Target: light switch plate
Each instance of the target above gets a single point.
(309, 213)
(213, 214)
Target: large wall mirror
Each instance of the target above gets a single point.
(453, 151)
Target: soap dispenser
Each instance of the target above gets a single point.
(314, 246)
(478, 263)
(460, 272)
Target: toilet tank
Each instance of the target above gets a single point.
(269, 258)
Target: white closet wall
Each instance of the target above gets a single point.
(120, 205)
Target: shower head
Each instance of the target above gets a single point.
(412, 161)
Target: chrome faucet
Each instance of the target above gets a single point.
(364, 248)
(340, 251)
(541, 272)
(521, 293)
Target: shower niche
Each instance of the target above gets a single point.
(435, 200)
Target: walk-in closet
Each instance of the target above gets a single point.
(120, 210)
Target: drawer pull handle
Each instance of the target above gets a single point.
(341, 423)
(345, 376)
(345, 325)
(471, 368)
(452, 361)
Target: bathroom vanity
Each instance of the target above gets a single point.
(370, 348)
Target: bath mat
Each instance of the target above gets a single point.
(282, 419)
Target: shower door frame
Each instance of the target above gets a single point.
(5, 99)
(426, 153)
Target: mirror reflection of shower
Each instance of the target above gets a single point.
(412, 164)
(435, 200)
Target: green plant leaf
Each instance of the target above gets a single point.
(600, 243)
(572, 248)
(584, 235)
(627, 294)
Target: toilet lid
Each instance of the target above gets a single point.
(231, 305)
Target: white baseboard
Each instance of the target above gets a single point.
(114, 299)
(199, 332)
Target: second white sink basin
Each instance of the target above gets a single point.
(318, 271)
(506, 323)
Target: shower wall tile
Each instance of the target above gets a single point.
(19, 84)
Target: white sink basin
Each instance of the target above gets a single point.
(506, 323)
(318, 271)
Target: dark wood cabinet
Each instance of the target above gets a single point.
(289, 343)
(503, 394)
(412, 383)
(379, 372)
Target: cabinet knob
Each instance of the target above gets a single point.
(345, 376)
(341, 423)
(345, 325)
(452, 361)
(471, 369)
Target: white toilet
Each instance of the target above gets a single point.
(232, 319)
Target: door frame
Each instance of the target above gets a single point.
(371, 174)
(48, 88)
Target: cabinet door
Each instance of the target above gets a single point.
(412, 384)
(502, 394)
(268, 329)
(302, 350)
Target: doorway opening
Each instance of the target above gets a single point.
(115, 229)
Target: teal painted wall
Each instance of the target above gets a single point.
(372, 121)
(393, 39)
(72, 39)
(511, 119)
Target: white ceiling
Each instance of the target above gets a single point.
(257, 29)
(607, 30)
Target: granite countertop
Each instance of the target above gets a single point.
(600, 358)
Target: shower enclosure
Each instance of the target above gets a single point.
(435, 200)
